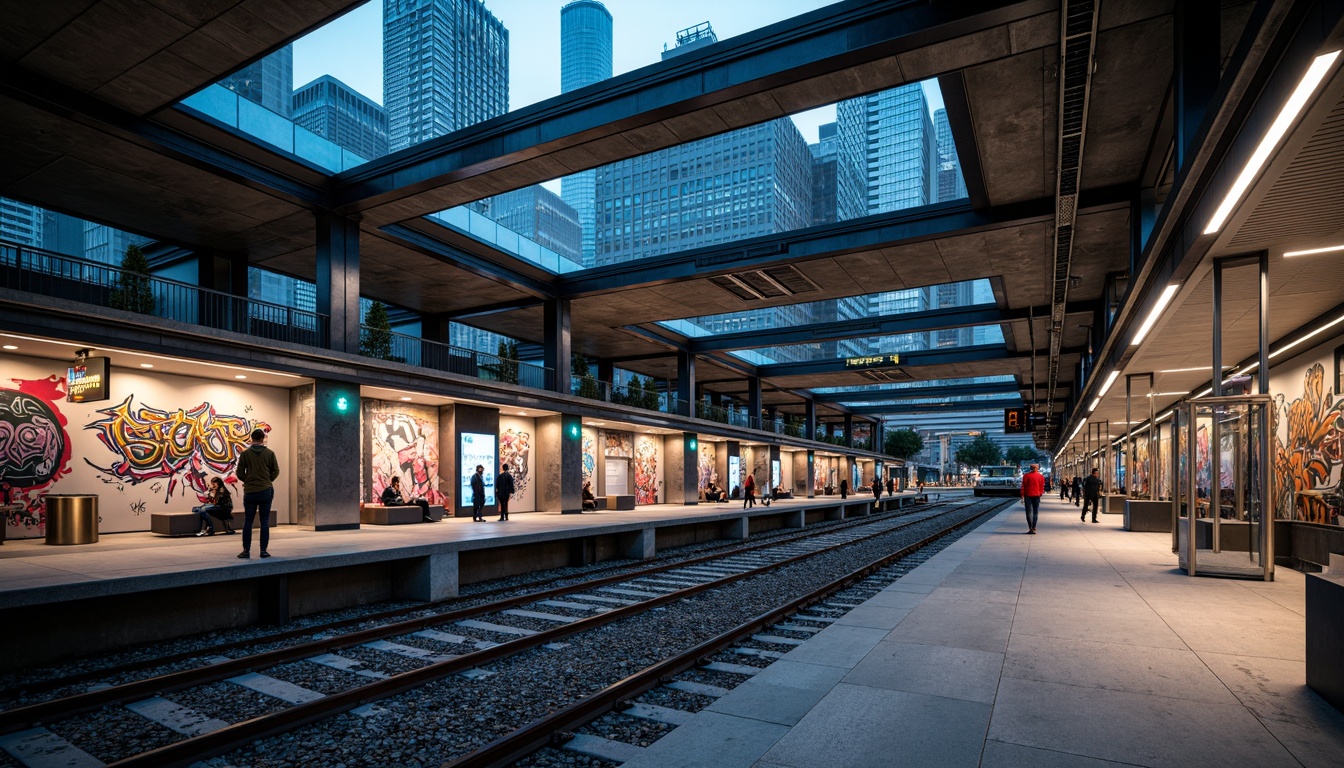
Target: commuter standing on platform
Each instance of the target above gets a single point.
(1064, 489)
(503, 490)
(749, 492)
(478, 495)
(1077, 491)
(1091, 495)
(1033, 487)
(258, 469)
(891, 486)
(844, 488)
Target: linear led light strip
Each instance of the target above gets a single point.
(1256, 364)
(152, 357)
(1162, 301)
(1320, 66)
(1104, 389)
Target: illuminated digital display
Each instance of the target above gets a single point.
(1014, 420)
(86, 381)
(477, 449)
(872, 361)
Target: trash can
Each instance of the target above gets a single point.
(71, 519)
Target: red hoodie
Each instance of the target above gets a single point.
(1033, 484)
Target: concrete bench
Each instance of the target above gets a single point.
(620, 502)
(188, 523)
(599, 502)
(377, 514)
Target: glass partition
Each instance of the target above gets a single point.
(1225, 485)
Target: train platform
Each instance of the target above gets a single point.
(1082, 645)
(32, 573)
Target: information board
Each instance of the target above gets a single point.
(477, 449)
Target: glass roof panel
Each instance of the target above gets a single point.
(876, 345)
(929, 384)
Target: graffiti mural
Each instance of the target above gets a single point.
(705, 465)
(1308, 455)
(619, 444)
(1141, 469)
(589, 457)
(646, 470)
(174, 446)
(405, 444)
(34, 447)
(514, 448)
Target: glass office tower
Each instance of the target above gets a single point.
(951, 185)
(902, 150)
(343, 116)
(445, 67)
(585, 58)
(268, 81)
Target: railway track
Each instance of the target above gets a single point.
(30, 690)
(193, 714)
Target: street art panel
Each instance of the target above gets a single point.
(705, 467)
(403, 441)
(167, 447)
(1308, 449)
(589, 456)
(515, 449)
(646, 469)
(34, 446)
(618, 444)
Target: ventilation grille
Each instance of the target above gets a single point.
(769, 283)
(893, 374)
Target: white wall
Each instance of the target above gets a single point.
(160, 441)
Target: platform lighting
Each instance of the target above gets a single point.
(146, 365)
(1192, 370)
(1164, 417)
(1206, 391)
(1323, 328)
(1162, 301)
(10, 346)
(1167, 394)
(1314, 251)
(1107, 386)
(240, 376)
(1320, 66)
(405, 399)
(1094, 404)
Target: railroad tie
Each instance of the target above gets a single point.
(175, 717)
(40, 748)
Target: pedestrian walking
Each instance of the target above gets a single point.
(749, 492)
(258, 469)
(844, 489)
(503, 490)
(478, 495)
(877, 492)
(1064, 489)
(1077, 489)
(1033, 487)
(1091, 494)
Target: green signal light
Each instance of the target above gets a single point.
(342, 404)
(573, 430)
(692, 444)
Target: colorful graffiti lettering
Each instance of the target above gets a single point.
(646, 470)
(405, 445)
(589, 458)
(34, 447)
(1309, 448)
(514, 449)
(181, 445)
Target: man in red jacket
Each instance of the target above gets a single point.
(1033, 487)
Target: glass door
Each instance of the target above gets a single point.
(1224, 488)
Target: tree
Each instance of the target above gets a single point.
(650, 398)
(132, 289)
(588, 386)
(1018, 454)
(980, 452)
(903, 443)
(508, 361)
(375, 338)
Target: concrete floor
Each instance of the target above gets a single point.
(1080, 646)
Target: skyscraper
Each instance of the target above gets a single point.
(108, 245)
(20, 222)
(902, 150)
(838, 166)
(343, 116)
(541, 216)
(585, 58)
(445, 67)
(268, 81)
(951, 185)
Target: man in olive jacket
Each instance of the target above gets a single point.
(258, 469)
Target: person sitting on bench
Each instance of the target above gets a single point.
(392, 498)
(713, 493)
(589, 501)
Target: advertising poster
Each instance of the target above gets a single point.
(734, 472)
(477, 449)
(776, 480)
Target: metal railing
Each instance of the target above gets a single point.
(623, 394)
(413, 350)
(46, 273)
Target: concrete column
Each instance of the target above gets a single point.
(326, 450)
(557, 353)
(1195, 68)
(226, 273)
(810, 419)
(642, 544)
(795, 519)
(737, 528)
(338, 279)
(681, 484)
(754, 401)
(802, 474)
(849, 430)
(454, 420)
(811, 475)
(435, 327)
(686, 388)
(431, 578)
(560, 464)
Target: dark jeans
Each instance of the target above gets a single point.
(749, 500)
(1033, 505)
(1092, 501)
(476, 509)
(503, 507)
(257, 502)
(424, 508)
(206, 511)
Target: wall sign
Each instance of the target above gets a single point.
(477, 449)
(87, 381)
(872, 361)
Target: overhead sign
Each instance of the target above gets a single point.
(872, 361)
(1014, 420)
(86, 381)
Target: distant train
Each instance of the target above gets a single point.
(999, 481)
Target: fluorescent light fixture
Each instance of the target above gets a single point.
(1248, 369)
(1314, 251)
(10, 346)
(1206, 391)
(1076, 430)
(1162, 301)
(405, 399)
(1192, 370)
(240, 376)
(146, 365)
(1305, 87)
(1323, 328)
(1164, 416)
(1167, 394)
(1094, 405)
(1107, 386)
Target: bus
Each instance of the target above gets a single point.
(999, 481)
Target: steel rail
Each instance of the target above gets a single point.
(200, 747)
(548, 730)
(712, 553)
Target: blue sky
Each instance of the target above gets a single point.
(351, 48)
